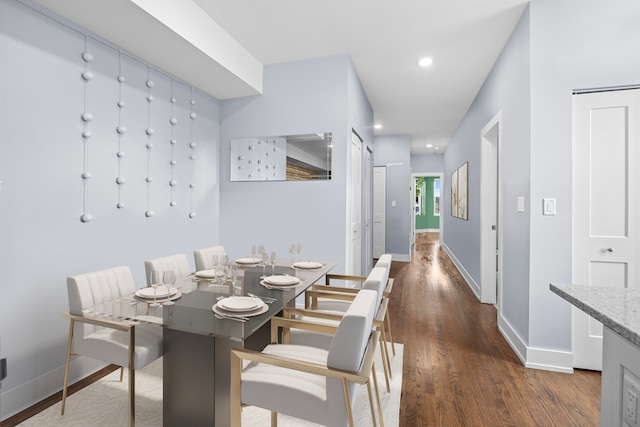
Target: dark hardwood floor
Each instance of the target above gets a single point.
(458, 369)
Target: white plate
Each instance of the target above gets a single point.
(281, 287)
(161, 292)
(248, 261)
(309, 265)
(256, 312)
(281, 280)
(209, 274)
(240, 303)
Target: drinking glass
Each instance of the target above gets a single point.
(169, 279)
(233, 276)
(265, 261)
(299, 250)
(273, 263)
(155, 277)
(253, 252)
(292, 251)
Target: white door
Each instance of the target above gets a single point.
(605, 150)
(489, 208)
(379, 209)
(355, 205)
(367, 216)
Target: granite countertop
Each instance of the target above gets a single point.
(616, 308)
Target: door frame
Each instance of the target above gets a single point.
(415, 175)
(490, 212)
(379, 201)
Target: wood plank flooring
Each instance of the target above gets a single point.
(458, 369)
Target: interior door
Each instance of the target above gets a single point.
(355, 204)
(605, 201)
(379, 210)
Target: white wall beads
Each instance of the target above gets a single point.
(173, 121)
(149, 131)
(173, 162)
(86, 117)
(192, 214)
(121, 130)
(173, 183)
(192, 155)
(193, 116)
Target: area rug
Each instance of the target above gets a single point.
(104, 403)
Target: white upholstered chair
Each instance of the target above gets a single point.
(204, 257)
(338, 299)
(310, 383)
(123, 343)
(177, 263)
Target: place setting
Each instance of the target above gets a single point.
(282, 282)
(161, 292)
(296, 248)
(240, 308)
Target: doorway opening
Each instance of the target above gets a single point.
(426, 200)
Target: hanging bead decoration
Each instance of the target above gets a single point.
(149, 131)
(86, 117)
(192, 156)
(172, 162)
(120, 130)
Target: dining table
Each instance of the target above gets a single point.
(198, 334)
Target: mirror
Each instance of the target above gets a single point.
(304, 157)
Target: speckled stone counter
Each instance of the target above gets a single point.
(618, 309)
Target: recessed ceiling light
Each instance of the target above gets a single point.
(377, 126)
(437, 148)
(429, 145)
(425, 62)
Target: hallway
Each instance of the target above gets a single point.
(459, 370)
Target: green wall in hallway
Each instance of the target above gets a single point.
(428, 220)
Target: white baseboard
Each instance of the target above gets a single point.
(427, 230)
(531, 357)
(475, 288)
(36, 390)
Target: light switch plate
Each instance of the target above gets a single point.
(548, 206)
(520, 204)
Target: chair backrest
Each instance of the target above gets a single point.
(177, 263)
(377, 281)
(86, 290)
(203, 257)
(384, 261)
(349, 344)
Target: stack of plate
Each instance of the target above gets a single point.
(238, 306)
(210, 274)
(280, 282)
(248, 261)
(160, 293)
(308, 265)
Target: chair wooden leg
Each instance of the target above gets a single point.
(384, 365)
(121, 373)
(236, 403)
(393, 345)
(371, 405)
(66, 367)
(274, 419)
(386, 360)
(347, 401)
(132, 376)
(375, 384)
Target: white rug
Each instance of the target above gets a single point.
(104, 403)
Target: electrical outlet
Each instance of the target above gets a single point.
(630, 394)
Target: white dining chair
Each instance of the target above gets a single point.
(306, 382)
(204, 257)
(178, 263)
(123, 343)
(335, 299)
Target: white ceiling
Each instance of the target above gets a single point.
(384, 39)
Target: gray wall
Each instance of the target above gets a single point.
(41, 200)
(575, 44)
(432, 163)
(300, 97)
(509, 77)
(394, 151)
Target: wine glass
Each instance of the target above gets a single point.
(169, 279)
(155, 277)
(233, 276)
(299, 250)
(273, 263)
(292, 251)
(253, 252)
(265, 261)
